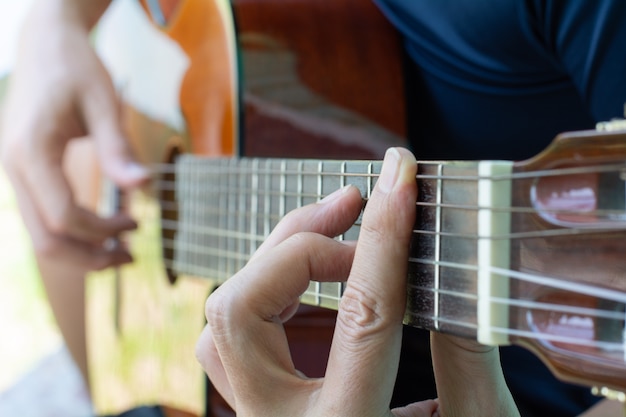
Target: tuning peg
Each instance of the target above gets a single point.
(609, 394)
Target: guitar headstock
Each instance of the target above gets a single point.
(569, 211)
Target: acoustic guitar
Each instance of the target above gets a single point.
(195, 85)
(527, 253)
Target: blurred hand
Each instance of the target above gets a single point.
(243, 348)
(59, 94)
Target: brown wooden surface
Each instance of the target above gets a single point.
(592, 258)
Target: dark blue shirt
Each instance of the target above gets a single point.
(498, 79)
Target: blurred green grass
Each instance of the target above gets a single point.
(27, 328)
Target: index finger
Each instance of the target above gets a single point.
(366, 347)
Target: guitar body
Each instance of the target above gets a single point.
(307, 79)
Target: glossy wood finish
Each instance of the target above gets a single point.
(573, 246)
(322, 79)
(208, 94)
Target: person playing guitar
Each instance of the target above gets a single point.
(530, 70)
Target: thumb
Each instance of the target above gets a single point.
(102, 112)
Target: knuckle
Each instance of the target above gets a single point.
(360, 313)
(217, 312)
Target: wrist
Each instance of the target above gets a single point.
(73, 13)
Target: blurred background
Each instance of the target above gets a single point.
(27, 330)
(33, 359)
(151, 361)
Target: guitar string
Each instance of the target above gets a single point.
(219, 167)
(332, 302)
(244, 193)
(530, 304)
(203, 251)
(606, 213)
(600, 344)
(605, 346)
(247, 238)
(200, 227)
(201, 230)
(461, 178)
(227, 192)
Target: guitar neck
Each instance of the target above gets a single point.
(501, 253)
(227, 207)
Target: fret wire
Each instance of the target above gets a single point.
(196, 240)
(320, 167)
(283, 190)
(437, 269)
(255, 202)
(342, 237)
(232, 202)
(370, 186)
(221, 215)
(266, 202)
(318, 285)
(241, 216)
(300, 184)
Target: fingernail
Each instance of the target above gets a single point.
(134, 171)
(335, 194)
(389, 173)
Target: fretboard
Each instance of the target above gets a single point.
(227, 207)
